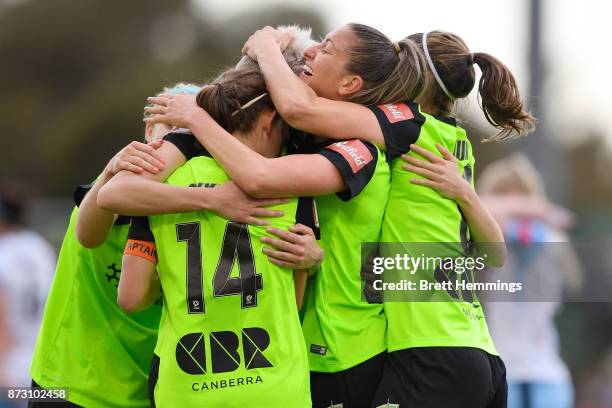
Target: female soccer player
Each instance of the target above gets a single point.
(441, 334)
(86, 343)
(347, 326)
(445, 334)
(230, 329)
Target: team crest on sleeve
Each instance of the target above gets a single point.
(355, 152)
(396, 112)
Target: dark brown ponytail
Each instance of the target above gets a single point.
(500, 99)
(389, 75)
(498, 92)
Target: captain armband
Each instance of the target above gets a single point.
(142, 249)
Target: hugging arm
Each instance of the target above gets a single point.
(287, 176)
(94, 222)
(131, 193)
(258, 176)
(146, 194)
(300, 106)
(442, 174)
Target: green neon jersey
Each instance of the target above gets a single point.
(340, 327)
(86, 342)
(417, 214)
(230, 333)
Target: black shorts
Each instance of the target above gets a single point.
(153, 376)
(50, 404)
(448, 377)
(353, 388)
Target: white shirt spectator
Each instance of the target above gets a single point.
(524, 331)
(27, 264)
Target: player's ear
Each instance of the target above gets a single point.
(267, 120)
(350, 84)
(148, 132)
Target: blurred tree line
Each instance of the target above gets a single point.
(75, 75)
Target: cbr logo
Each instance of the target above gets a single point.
(224, 355)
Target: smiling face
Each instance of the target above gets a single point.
(325, 64)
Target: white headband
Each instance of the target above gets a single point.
(249, 103)
(433, 68)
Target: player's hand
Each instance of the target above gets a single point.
(266, 39)
(296, 248)
(136, 157)
(441, 173)
(235, 205)
(174, 110)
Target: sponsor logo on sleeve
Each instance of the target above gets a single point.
(317, 349)
(354, 152)
(396, 112)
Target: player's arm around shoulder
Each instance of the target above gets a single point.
(131, 192)
(336, 120)
(93, 221)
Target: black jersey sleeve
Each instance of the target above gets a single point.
(141, 242)
(401, 126)
(140, 229)
(79, 195)
(306, 214)
(186, 142)
(80, 192)
(356, 162)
